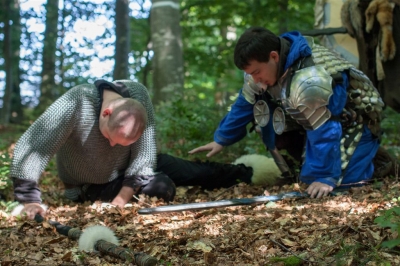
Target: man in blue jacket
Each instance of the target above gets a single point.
(304, 98)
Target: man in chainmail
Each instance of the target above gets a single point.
(319, 108)
(104, 137)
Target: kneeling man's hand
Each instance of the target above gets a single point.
(318, 190)
(31, 209)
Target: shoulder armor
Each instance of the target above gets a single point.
(326, 58)
(310, 90)
(250, 89)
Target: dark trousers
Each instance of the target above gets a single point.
(159, 185)
(208, 175)
(173, 171)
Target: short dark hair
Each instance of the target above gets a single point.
(256, 43)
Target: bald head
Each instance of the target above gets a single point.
(128, 118)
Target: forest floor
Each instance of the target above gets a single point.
(335, 230)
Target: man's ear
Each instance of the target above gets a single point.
(274, 56)
(106, 112)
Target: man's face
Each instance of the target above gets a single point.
(264, 72)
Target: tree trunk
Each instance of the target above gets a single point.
(283, 20)
(61, 48)
(6, 107)
(167, 47)
(48, 88)
(122, 32)
(16, 104)
(147, 68)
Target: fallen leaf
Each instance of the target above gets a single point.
(67, 256)
(288, 242)
(38, 256)
(55, 240)
(199, 245)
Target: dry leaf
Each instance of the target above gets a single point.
(58, 250)
(288, 242)
(38, 256)
(199, 245)
(296, 230)
(67, 256)
(55, 240)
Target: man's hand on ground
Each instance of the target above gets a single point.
(31, 209)
(318, 190)
(107, 205)
(124, 195)
(213, 147)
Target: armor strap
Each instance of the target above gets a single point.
(337, 79)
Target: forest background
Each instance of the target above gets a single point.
(181, 50)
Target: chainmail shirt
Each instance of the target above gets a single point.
(69, 128)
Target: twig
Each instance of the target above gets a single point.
(226, 190)
(244, 252)
(291, 252)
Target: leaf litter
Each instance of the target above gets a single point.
(336, 230)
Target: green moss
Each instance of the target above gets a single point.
(289, 261)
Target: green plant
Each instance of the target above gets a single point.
(5, 162)
(289, 261)
(166, 263)
(358, 254)
(186, 123)
(390, 218)
(390, 128)
(9, 205)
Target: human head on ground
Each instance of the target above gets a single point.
(257, 53)
(123, 121)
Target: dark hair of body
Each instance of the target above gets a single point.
(256, 43)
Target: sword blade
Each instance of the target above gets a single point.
(220, 203)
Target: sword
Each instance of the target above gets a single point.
(232, 202)
(221, 203)
(138, 258)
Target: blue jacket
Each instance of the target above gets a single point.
(322, 158)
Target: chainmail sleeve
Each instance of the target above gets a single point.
(143, 151)
(39, 143)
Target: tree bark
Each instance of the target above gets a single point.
(6, 106)
(167, 46)
(283, 7)
(16, 104)
(121, 70)
(48, 88)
